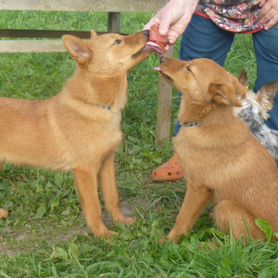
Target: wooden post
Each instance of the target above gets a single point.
(164, 109)
(114, 22)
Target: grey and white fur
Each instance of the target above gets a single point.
(254, 112)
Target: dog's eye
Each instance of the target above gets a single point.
(189, 68)
(117, 42)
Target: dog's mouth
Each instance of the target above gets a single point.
(141, 51)
(156, 48)
(166, 76)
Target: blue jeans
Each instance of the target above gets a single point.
(204, 39)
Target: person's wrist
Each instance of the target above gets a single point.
(185, 3)
(178, 4)
(181, 3)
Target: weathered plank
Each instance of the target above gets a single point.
(164, 109)
(24, 33)
(114, 22)
(16, 46)
(82, 5)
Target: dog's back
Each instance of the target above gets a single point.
(22, 122)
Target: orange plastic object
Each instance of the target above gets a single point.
(156, 41)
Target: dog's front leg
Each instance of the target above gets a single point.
(196, 199)
(109, 187)
(86, 181)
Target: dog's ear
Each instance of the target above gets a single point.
(243, 79)
(78, 49)
(223, 94)
(93, 35)
(241, 84)
(265, 96)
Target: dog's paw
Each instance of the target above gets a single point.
(163, 240)
(107, 234)
(127, 220)
(110, 234)
(174, 237)
(3, 213)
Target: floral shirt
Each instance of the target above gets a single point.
(239, 16)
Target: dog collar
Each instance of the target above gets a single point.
(106, 107)
(190, 124)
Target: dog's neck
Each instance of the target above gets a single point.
(220, 116)
(108, 91)
(192, 111)
(196, 112)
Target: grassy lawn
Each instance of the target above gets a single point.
(46, 233)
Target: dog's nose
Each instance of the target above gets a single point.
(147, 33)
(161, 59)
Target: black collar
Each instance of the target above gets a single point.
(102, 106)
(106, 107)
(190, 124)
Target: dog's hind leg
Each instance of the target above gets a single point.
(230, 216)
(86, 182)
(109, 188)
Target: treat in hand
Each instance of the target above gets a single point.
(157, 42)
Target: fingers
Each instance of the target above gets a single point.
(269, 13)
(154, 20)
(262, 2)
(172, 36)
(271, 22)
(177, 29)
(264, 11)
(165, 23)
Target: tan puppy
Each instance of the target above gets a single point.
(221, 160)
(78, 129)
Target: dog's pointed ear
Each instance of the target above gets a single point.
(243, 78)
(223, 94)
(78, 49)
(265, 96)
(93, 35)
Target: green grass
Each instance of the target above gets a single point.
(46, 234)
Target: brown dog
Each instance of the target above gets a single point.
(78, 129)
(221, 160)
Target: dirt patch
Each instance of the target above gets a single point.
(39, 234)
(13, 243)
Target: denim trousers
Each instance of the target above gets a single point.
(204, 39)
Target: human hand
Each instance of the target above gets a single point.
(268, 15)
(173, 18)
